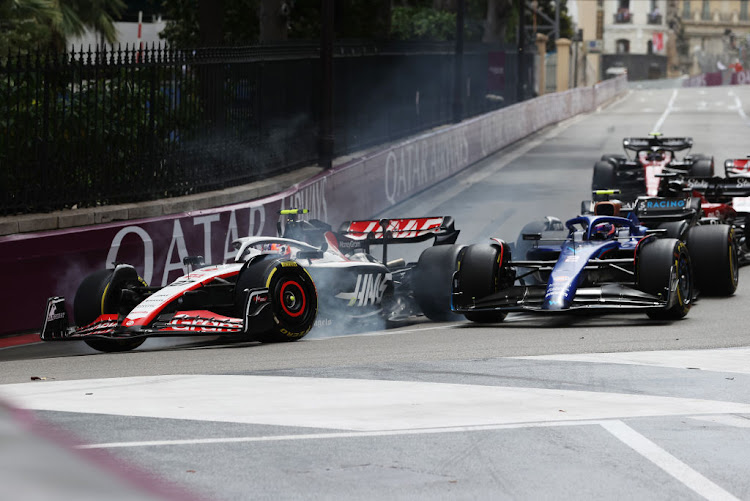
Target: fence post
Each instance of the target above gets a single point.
(541, 71)
(563, 64)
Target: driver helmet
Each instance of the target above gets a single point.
(602, 231)
(277, 249)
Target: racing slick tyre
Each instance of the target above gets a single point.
(481, 270)
(658, 262)
(99, 294)
(713, 252)
(432, 281)
(604, 176)
(292, 293)
(703, 166)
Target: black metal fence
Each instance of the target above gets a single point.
(87, 128)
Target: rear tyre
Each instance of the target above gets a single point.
(703, 166)
(480, 269)
(613, 157)
(659, 262)
(713, 252)
(604, 176)
(98, 295)
(432, 281)
(294, 299)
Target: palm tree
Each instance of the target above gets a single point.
(28, 24)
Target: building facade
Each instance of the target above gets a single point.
(636, 37)
(712, 35)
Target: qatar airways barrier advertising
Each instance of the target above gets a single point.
(51, 263)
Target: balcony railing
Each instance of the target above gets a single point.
(623, 17)
(654, 19)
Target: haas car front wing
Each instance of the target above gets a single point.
(258, 317)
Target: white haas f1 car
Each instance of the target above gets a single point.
(269, 292)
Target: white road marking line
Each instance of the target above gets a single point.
(726, 420)
(327, 436)
(389, 332)
(735, 360)
(741, 110)
(667, 462)
(664, 115)
(344, 404)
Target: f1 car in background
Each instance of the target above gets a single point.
(273, 290)
(639, 175)
(604, 264)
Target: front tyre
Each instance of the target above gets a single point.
(481, 274)
(98, 295)
(294, 299)
(661, 263)
(432, 281)
(713, 252)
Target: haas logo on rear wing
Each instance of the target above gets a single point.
(407, 229)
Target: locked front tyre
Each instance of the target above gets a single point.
(291, 292)
(664, 270)
(100, 293)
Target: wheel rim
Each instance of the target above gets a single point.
(684, 279)
(733, 267)
(292, 298)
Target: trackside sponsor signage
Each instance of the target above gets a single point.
(53, 263)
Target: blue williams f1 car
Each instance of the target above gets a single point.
(603, 264)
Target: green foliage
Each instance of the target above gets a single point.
(29, 24)
(88, 123)
(422, 23)
(182, 29)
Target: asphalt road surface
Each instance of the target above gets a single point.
(616, 407)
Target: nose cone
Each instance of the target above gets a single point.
(559, 295)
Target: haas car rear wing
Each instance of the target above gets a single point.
(382, 231)
(386, 231)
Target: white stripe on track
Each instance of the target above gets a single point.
(667, 462)
(666, 113)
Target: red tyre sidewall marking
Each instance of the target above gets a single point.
(281, 298)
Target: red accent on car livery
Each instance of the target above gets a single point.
(204, 321)
(721, 211)
(399, 228)
(146, 311)
(741, 166)
(653, 167)
(104, 324)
